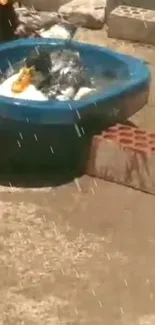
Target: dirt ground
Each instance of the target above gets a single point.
(83, 252)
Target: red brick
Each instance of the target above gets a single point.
(124, 155)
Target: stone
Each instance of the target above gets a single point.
(131, 23)
(46, 5)
(124, 155)
(89, 14)
(35, 20)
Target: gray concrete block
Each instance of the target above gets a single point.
(131, 23)
(147, 4)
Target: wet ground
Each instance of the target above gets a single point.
(82, 252)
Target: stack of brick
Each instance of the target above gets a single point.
(124, 155)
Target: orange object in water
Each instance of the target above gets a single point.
(3, 2)
(23, 80)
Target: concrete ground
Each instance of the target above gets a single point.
(83, 252)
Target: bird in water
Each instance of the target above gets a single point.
(58, 74)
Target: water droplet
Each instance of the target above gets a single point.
(77, 130)
(93, 191)
(95, 183)
(51, 149)
(93, 292)
(77, 275)
(37, 50)
(100, 303)
(121, 310)
(19, 145)
(76, 181)
(78, 114)
(20, 135)
(70, 107)
(83, 131)
(95, 104)
(108, 256)
(76, 311)
(10, 23)
(10, 66)
(35, 136)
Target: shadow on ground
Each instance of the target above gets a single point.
(40, 158)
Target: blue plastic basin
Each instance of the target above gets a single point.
(134, 72)
(57, 133)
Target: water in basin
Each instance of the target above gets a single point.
(97, 79)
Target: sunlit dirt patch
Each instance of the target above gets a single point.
(43, 268)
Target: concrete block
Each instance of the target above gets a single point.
(147, 4)
(131, 23)
(124, 155)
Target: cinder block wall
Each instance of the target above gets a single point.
(147, 4)
(45, 5)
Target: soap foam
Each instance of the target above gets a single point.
(30, 93)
